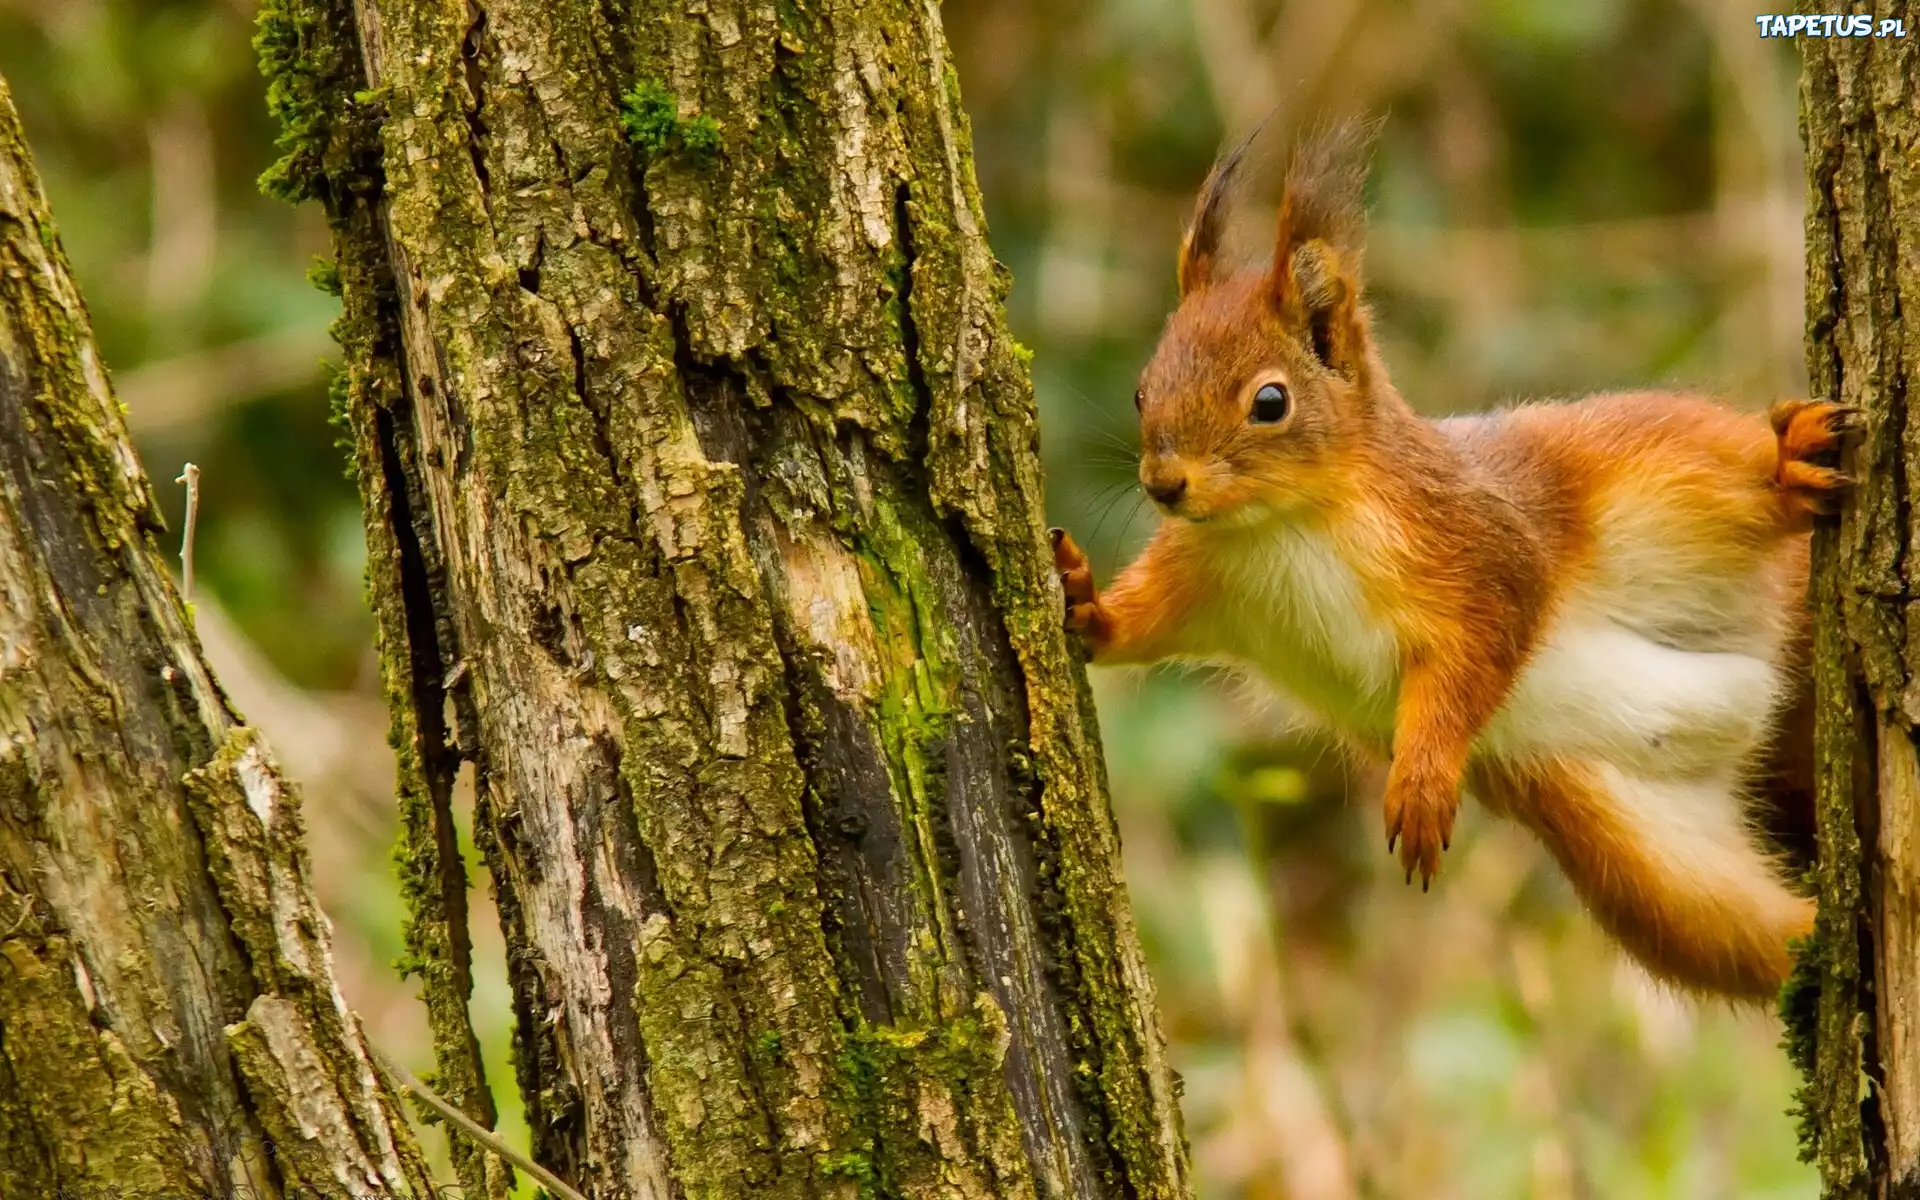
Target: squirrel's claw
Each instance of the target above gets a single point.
(1076, 573)
(1807, 435)
(1422, 829)
(1083, 614)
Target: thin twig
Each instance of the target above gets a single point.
(189, 475)
(485, 1138)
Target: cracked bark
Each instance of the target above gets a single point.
(701, 487)
(169, 1024)
(1854, 1014)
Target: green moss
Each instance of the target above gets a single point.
(66, 1078)
(340, 416)
(651, 116)
(855, 1165)
(883, 1071)
(310, 58)
(1799, 1008)
(303, 67)
(324, 274)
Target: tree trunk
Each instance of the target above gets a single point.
(1854, 1012)
(702, 492)
(169, 1025)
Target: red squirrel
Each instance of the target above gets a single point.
(1590, 615)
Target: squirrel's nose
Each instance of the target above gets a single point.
(1167, 491)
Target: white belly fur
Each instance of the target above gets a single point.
(1598, 690)
(1593, 689)
(1301, 618)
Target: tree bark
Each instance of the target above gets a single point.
(1854, 1011)
(702, 493)
(169, 1024)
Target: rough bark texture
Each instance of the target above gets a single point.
(1854, 1012)
(169, 1025)
(702, 492)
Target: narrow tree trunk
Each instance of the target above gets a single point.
(1854, 1016)
(169, 1025)
(702, 490)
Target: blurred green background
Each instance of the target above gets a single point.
(1567, 197)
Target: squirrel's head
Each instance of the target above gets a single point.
(1263, 376)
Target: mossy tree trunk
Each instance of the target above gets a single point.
(1854, 1018)
(169, 1025)
(705, 523)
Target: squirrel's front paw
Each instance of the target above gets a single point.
(1420, 823)
(1084, 616)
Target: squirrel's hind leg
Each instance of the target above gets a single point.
(1668, 867)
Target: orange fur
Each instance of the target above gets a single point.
(1428, 571)
(1722, 926)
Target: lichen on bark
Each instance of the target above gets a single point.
(169, 1022)
(694, 404)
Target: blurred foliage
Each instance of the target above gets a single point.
(1567, 197)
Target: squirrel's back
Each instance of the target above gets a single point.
(1666, 646)
(1661, 508)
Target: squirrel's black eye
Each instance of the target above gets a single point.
(1271, 403)
(1138, 403)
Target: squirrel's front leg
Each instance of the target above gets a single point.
(1445, 700)
(1141, 616)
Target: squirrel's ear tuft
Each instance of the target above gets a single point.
(1318, 297)
(1200, 248)
(1316, 253)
